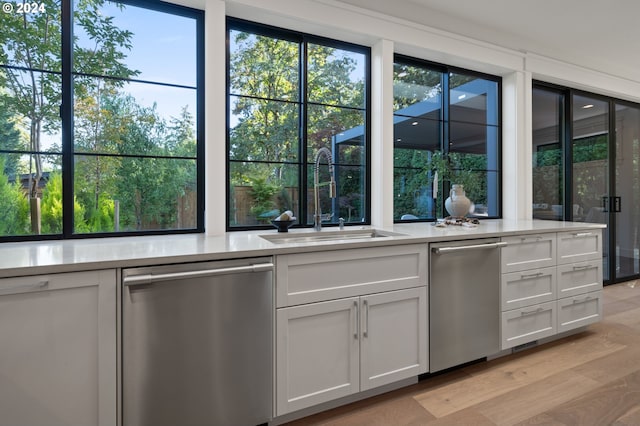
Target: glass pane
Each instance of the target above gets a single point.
(484, 194)
(628, 191)
(263, 67)
(29, 201)
(590, 162)
(125, 41)
(413, 190)
(350, 202)
(473, 139)
(336, 76)
(473, 100)
(136, 119)
(548, 140)
(31, 35)
(416, 133)
(332, 127)
(259, 192)
(141, 193)
(417, 91)
(262, 130)
(31, 94)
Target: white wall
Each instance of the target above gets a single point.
(387, 35)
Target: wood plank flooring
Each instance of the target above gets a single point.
(591, 378)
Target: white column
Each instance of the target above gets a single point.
(382, 134)
(215, 118)
(517, 190)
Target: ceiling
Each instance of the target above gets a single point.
(595, 34)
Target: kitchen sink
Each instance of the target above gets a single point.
(337, 236)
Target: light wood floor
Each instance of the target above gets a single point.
(592, 378)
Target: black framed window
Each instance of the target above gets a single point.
(290, 94)
(100, 119)
(444, 115)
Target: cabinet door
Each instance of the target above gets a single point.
(393, 336)
(58, 349)
(528, 252)
(317, 352)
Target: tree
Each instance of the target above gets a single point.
(14, 208)
(31, 43)
(265, 107)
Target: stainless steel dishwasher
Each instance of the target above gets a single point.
(197, 344)
(464, 301)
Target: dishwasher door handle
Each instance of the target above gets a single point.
(150, 278)
(445, 250)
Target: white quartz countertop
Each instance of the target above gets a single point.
(46, 257)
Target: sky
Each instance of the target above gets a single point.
(163, 50)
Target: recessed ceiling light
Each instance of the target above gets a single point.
(462, 96)
(415, 123)
(402, 74)
(588, 106)
(398, 140)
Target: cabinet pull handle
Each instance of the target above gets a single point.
(355, 320)
(24, 287)
(581, 301)
(535, 311)
(365, 333)
(581, 267)
(583, 234)
(525, 276)
(536, 238)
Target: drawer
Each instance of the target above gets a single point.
(578, 311)
(313, 277)
(520, 289)
(579, 278)
(525, 325)
(528, 252)
(579, 246)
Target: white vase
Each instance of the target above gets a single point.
(457, 204)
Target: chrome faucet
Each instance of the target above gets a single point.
(317, 215)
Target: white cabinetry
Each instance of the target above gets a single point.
(331, 348)
(550, 284)
(579, 279)
(58, 349)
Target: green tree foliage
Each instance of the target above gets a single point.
(51, 208)
(265, 123)
(14, 207)
(32, 41)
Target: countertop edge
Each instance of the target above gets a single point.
(41, 258)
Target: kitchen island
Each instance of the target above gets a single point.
(350, 315)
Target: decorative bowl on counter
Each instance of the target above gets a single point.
(283, 225)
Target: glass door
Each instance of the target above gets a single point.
(625, 204)
(589, 186)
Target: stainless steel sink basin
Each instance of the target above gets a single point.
(315, 237)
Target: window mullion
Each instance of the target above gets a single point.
(66, 112)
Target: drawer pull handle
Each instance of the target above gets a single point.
(536, 275)
(583, 234)
(24, 287)
(586, 299)
(535, 311)
(581, 267)
(536, 238)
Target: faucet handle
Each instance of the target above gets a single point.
(326, 216)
